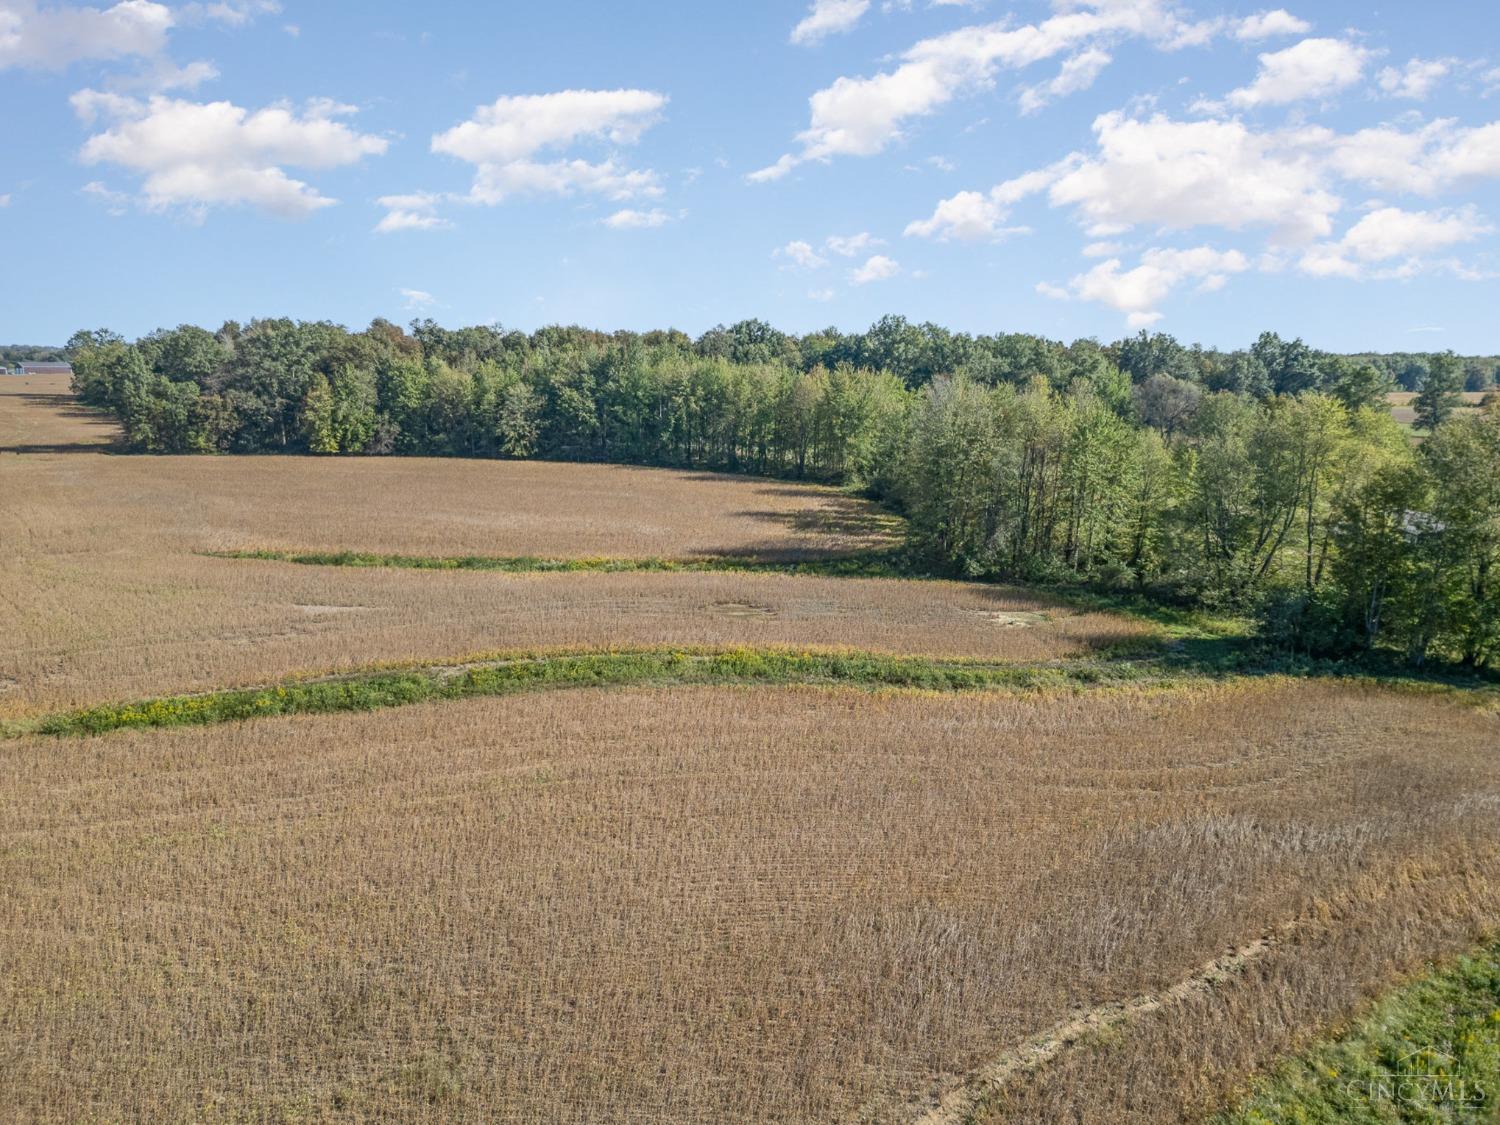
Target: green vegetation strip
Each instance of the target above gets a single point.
(883, 564)
(1429, 1052)
(398, 688)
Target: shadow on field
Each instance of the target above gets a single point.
(66, 406)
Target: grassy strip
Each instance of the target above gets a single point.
(881, 564)
(1428, 1052)
(397, 688)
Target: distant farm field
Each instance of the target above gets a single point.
(1403, 410)
(1112, 895)
(121, 599)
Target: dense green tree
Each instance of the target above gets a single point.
(1441, 392)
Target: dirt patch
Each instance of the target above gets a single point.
(1016, 619)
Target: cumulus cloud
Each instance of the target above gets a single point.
(5, 200)
(829, 17)
(57, 36)
(801, 254)
(1138, 292)
(198, 155)
(1268, 25)
(968, 217)
(235, 13)
(1314, 68)
(628, 219)
(1170, 174)
(876, 268)
(848, 245)
(971, 216)
(1390, 233)
(415, 211)
(1424, 160)
(1163, 174)
(862, 116)
(514, 128)
(506, 139)
(1178, 175)
(1416, 80)
(1077, 73)
(416, 300)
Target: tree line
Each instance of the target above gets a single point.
(1270, 480)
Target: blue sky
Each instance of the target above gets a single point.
(1072, 168)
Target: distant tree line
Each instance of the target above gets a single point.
(12, 354)
(1270, 480)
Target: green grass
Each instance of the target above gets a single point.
(506, 675)
(1428, 1053)
(880, 564)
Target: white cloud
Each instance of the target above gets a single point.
(1078, 73)
(820, 294)
(514, 128)
(970, 216)
(199, 155)
(5, 200)
(862, 116)
(1416, 80)
(1435, 157)
(628, 219)
(416, 211)
(1267, 25)
(235, 13)
(829, 17)
(783, 165)
(494, 183)
(1314, 68)
(1173, 175)
(1185, 174)
(417, 300)
(55, 37)
(848, 245)
(876, 268)
(503, 139)
(967, 217)
(1138, 292)
(1389, 233)
(115, 202)
(801, 254)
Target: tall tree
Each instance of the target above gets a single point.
(1442, 391)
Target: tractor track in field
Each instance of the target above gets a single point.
(958, 1104)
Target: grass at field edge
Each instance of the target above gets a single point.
(1427, 1051)
(399, 687)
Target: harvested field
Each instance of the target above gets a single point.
(104, 594)
(89, 633)
(397, 505)
(1404, 412)
(692, 904)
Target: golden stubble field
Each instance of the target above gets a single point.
(649, 904)
(688, 904)
(105, 594)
